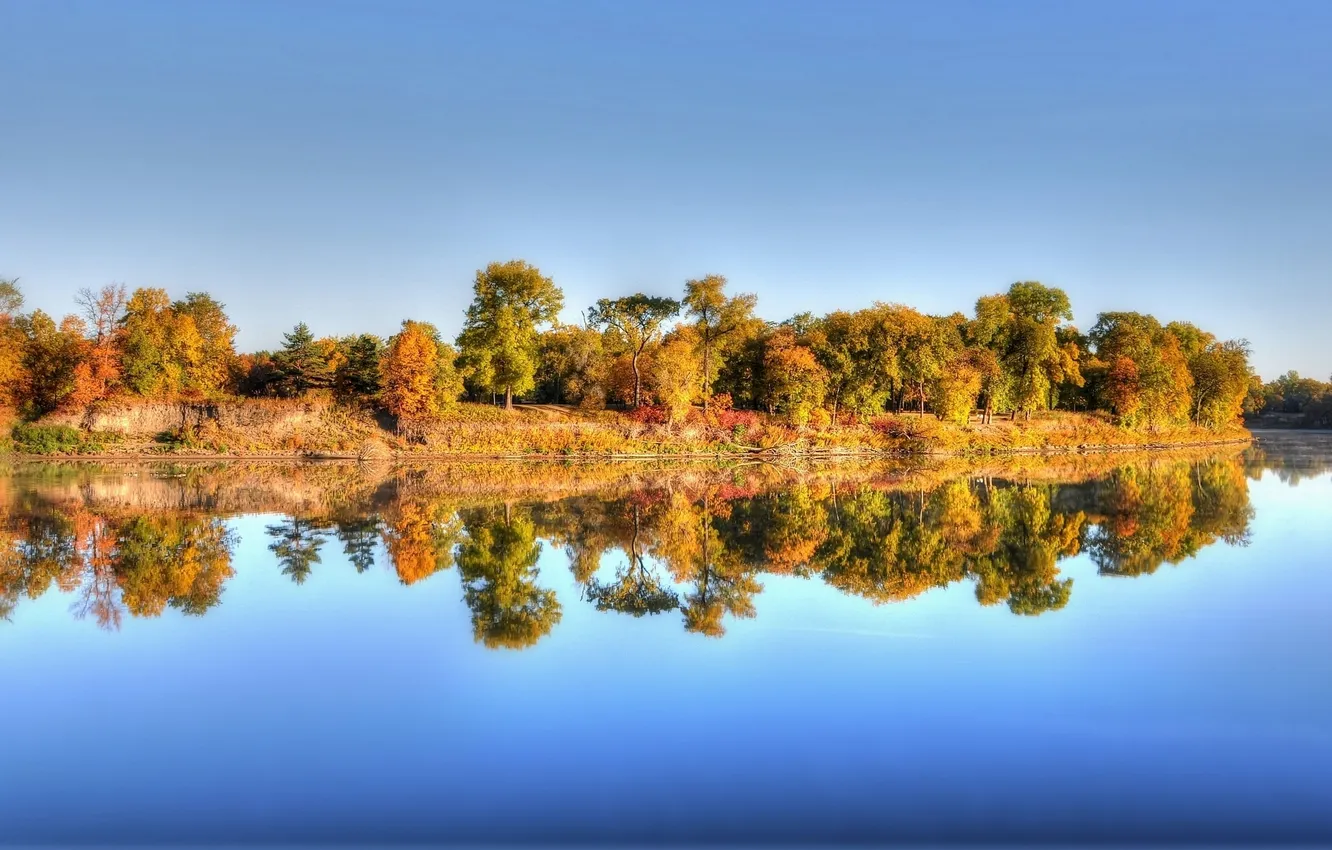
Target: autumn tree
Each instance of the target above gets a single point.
(859, 351)
(796, 383)
(717, 317)
(217, 336)
(926, 345)
(174, 560)
(12, 390)
(417, 377)
(675, 375)
(634, 322)
(161, 349)
(420, 535)
(1220, 372)
(11, 297)
(1156, 387)
(498, 342)
(572, 366)
(103, 310)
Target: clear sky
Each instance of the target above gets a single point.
(352, 164)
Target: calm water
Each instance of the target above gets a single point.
(1097, 649)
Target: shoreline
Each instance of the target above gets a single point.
(748, 455)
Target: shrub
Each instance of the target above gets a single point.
(649, 414)
(57, 439)
(47, 439)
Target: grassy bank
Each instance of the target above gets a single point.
(296, 429)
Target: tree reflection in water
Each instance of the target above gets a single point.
(699, 546)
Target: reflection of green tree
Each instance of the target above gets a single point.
(1022, 566)
(636, 590)
(297, 545)
(360, 540)
(498, 563)
(43, 556)
(586, 527)
(778, 532)
(690, 543)
(179, 560)
(880, 546)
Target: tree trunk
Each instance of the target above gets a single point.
(921, 391)
(508, 398)
(707, 364)
(638, 382)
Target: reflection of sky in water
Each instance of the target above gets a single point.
(1196, 700)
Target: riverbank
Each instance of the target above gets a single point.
(285, 430)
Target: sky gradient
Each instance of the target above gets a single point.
(353, 164)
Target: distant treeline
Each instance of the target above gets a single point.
(1016, 354)
(1307, 402)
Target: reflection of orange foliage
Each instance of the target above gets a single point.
(409, 543)
(786, 556)
(414, 541)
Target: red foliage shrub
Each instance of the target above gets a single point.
(729, 419)
(649, 414)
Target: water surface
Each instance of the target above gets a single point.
(1121, 648)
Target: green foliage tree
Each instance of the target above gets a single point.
(718, 318)
(1023, 328)
(50, 356)
(356, 377)
(498, 343)
(301, 365)
(634, 322)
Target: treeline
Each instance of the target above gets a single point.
(1017, 353)
(1308, 401)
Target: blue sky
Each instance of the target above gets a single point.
(352, 164)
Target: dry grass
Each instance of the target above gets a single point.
(278, 428)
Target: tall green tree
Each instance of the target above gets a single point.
(717, 317)
(50, 356)
(301, 365)
(1023, 328)
(498, 343)
(1148, 379)
(635, 322)
(357, 373)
